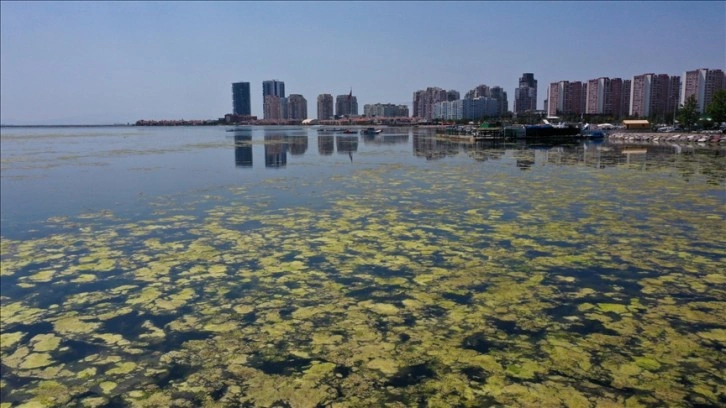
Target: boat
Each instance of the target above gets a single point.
(349, 131)
(370, 131)
(548, 130)
(592, 134)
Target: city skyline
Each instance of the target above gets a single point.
(119, 62)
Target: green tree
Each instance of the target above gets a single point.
(717, 108)
(688, 112)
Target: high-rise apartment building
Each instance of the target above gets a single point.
(556, 98)
(271, 107)
(284, 111)
(273, 87)
(448, 110)
(274, 104)
(424, 100)
(470, 108)
(452, 95)
(490, 102)
(525, 96)
(325, 107)
(497, 92)
(479, 91)
(604, 96)
(481, 108)
(596, 90)
(640, 95)
(702, 83)
(385, 110)
(565, 98)
(715, 81)
(649, 95)
(674, 92)
(583, 97)
(614, 98)
(241, 98)
(659, 95)
(346, 105)
(297, 107)
(625, 98)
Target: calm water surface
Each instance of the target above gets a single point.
(288, 267)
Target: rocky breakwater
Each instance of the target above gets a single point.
(669, 137)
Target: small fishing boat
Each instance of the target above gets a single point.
(370, 131)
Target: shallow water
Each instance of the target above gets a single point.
(286, 267)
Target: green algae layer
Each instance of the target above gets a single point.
(404, 286)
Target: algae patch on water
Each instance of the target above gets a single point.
(401, 287)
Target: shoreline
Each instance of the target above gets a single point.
(67, 126)
(719, 138)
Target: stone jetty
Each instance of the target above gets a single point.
(669, 137)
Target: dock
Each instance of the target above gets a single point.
(468, 134)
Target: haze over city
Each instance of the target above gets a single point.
(107, 62)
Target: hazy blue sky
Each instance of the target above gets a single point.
(102, 62)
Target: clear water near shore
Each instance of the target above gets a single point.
(281, 267)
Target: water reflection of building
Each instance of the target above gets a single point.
(433, 148)
(275, 151)
(635, 154)
(243, 150)
(591, 155)
(690, 160)
(346, 144)
(326, 145)
(386, 138)
(484, 150)
(640, 157)
(298, 145)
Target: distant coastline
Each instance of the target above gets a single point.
(65, 126)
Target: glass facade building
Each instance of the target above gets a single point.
(241, 98)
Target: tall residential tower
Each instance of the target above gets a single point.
(273, 88)
(274, 104)
(424, 100)
(297, 107)
(649, 95)
(525, 96)
(241, 98)
(702, 83)
(325, 107)
(346, 105)
(565, 98)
